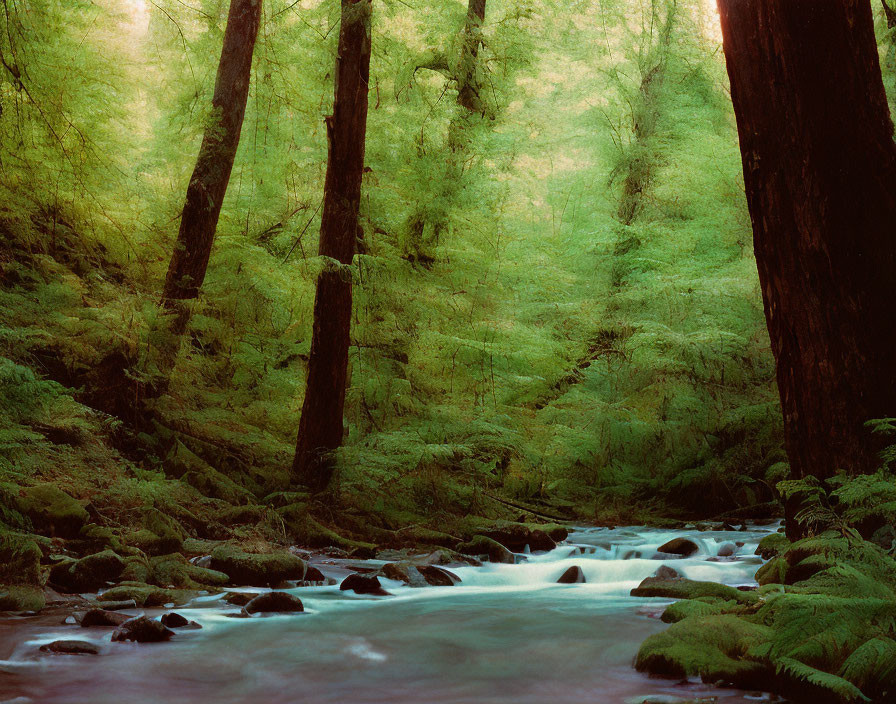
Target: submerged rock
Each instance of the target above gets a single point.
(239, 598)
(101, 617)
(666, 572)
(573, 575)
(679, 546)
(142, 629)
(275, 602)
(313, 576)
(363, 584)
(483, 546)
(419, 575)
(727, 550)
(71, 647)
(174, 620)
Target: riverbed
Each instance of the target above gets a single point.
(507, 634)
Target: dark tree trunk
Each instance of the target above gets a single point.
(320, 428)
(468, 90)
(205, 194)
(820, 173)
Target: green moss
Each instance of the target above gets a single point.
(690, 589)
(147, 594)
(701, 606)
(772, 545)
(20, 559)
(772, 572)
(88, 573)
(52, 510)
(714, 647)
(21, 598)
(176, 571)
(253, 569)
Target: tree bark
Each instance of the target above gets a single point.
(320, 427)
(819, 167)
(468, 92)
(208, 184)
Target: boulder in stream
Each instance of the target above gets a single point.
(573, 575)
(71, 647)
(680, 588)
(419, 575)
(275, 602)
(727, 550)
(257, 570)
(679, 546)
(363, 584)
(100, 618)
(482, 545)
(172, 619)
(518, 536)
(142, 629)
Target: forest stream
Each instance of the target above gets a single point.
(505, 634)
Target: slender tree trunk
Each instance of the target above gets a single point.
(819, 167)
(320, 428)
(468, 94)
(646, 114)
(208, 184)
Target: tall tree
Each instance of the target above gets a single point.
(468, 85)
(320, 427)
(819, 166)
(211, 175)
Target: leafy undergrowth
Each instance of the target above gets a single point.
(824, 626)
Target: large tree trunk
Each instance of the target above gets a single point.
(208, 184)
(468, 90)
(820, 173)
(320, 428)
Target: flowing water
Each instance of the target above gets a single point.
(508, 634)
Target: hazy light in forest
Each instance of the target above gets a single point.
(139, 14)
(712, 24)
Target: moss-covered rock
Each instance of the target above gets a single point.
(241, 515)
(258, 570)
(52, 510)
(772, 545)
(714, 647)
(87, 574)
(21, 598)
(176, 571)
(147, 595)
(160, 534)
(690, 589)
(482, 546)
(701, 606)
(93, 538)
(518, 536)
(19, 560)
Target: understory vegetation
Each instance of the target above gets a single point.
(822, 625)
(516, 335)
